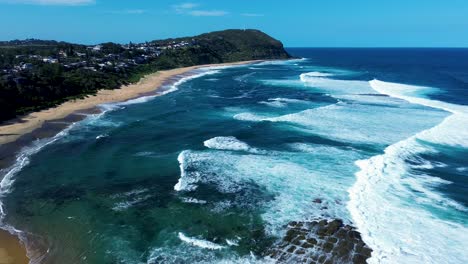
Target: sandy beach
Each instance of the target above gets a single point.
(11, 131)
(11, 249)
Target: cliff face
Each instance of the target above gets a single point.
(228, 46)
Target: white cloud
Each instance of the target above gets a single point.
(252, 15)
(191, 9)
(186, 6)
(51, 2)
(207, 13)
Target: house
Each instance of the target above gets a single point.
(90, 68)
(63, 54)
(50, 60)
(26, 66)
(97, 48)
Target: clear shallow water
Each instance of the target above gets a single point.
(213, 170)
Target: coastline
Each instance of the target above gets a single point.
(14, 129)
(22, 131)
(12, 251)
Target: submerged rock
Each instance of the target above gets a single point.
(320, 242)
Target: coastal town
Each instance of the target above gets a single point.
(39, 74)
(102, 57)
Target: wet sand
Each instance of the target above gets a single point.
(11, 250)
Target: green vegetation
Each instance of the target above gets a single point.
(37, 74)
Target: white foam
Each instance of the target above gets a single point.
(200, 242)
(233, 242)
(318, 149)
(99, 120)
(168, 89)
(250, 117)
(186, 253)
(390, 206)
(145, 154)
(193, 200)
(186, 182)
(316, 74)
(204, 72)
(452, 131)
(283, 102)
(291, 177)
(122, 206)
(139, 100)
(395, 230)
(335, 87)
(288, 100)
(356, 122)
(276, 104)
(101, 136)
(23, 159)
(282, 62)
(228, 143)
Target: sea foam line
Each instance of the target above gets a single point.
(395, 231)
(22, 160)
(170, 88)
(200, 242)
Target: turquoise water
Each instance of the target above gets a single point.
(214, 169)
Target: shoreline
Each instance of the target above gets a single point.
(22, 131)
(14, 129)
(12, 251)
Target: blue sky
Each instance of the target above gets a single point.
(299, 23)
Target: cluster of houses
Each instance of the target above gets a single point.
(93, 57)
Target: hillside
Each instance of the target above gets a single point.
(227, 46)
(37, 74)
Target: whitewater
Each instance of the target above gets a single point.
(217, 169)
(379, 199)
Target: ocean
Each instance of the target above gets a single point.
(215, 168)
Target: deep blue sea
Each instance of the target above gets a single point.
(214, 168)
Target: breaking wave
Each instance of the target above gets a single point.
(393, 209)
(229, 143)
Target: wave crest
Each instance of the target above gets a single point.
(386, 196)
(228, 143)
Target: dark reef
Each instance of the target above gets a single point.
(320, 242)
